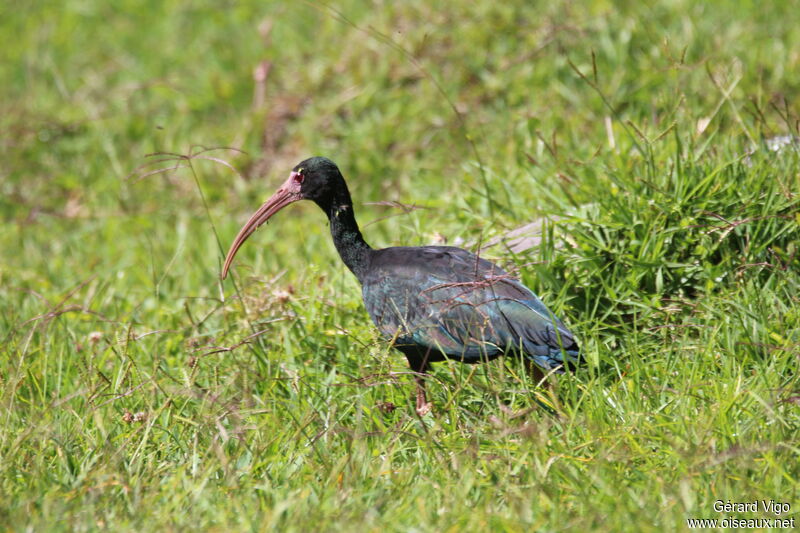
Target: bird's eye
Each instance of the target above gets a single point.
(298, 176)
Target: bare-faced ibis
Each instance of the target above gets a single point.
(431, 302)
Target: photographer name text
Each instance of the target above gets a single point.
(765, 506)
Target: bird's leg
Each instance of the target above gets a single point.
(419, 365)
(536, 373)
(423, 406)
(539, 377)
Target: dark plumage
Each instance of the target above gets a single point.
(432, 302)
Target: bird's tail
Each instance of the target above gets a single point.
(559, 353)
(556, 362)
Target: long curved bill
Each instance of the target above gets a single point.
(287, 194)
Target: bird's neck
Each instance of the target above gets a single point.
(351, 246)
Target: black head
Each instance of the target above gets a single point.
(317, 179)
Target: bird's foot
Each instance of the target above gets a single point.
(424, 408)
(423, 405)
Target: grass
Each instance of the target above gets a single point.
(139, 392)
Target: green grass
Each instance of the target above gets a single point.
(673, 258)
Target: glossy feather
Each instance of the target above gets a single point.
(440, 302)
